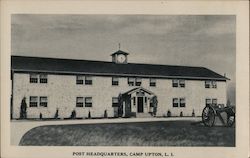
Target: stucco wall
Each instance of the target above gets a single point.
(62, 91)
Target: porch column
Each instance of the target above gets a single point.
(123, 106)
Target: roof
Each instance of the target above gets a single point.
(120, 52)
(138, 89)
(72, 66)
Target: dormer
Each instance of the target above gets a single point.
(120, 57)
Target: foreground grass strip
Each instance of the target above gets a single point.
(167, 133)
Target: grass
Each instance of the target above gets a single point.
(170, 133)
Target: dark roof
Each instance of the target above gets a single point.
(72, 66)
(120, 52)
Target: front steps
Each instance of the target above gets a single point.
(143, 115)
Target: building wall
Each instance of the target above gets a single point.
(62, 91)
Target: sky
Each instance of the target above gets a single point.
(190, 40)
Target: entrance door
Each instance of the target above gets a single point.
(140, 104)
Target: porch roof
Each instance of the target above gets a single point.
(137, 89)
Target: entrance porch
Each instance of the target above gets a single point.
(137, 102)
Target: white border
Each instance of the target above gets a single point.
(240, 9)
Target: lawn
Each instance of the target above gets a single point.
(165, 133)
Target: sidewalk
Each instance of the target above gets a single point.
(20, 127)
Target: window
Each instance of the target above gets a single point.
(133, 100)
(175, 102)
(207, 84)
(88, 102)
(131, 81)
(138, 82)
(214, 84)
(152, 82)
(208, 102)
(146, 100)
(182, 102)
(182, 83)
(43, 78)
(88, 80)
(79, 101)
(175, 83)
(33, 78)
(33, 101)
(79, 79)
(214, 102)
(44, 101)
(115, 81)
(114, 102)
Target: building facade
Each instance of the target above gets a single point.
(111, 89)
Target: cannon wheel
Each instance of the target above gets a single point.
(208, 116)
(231, 121)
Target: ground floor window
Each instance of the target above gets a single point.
(175, 102)
(43, 101)
(88, 102)
(79, 101)
(33, 101)
(208, 102)
(179, 102)
(115, 102)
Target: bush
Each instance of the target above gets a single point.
(89, 115)
(193, 114)
(41, 116)
(181, 114)
(169, 113)
(105, 114)
(56, 114)
(73, 114)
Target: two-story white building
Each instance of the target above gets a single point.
(117, 88)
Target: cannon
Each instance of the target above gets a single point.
(211, 111)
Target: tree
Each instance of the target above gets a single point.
(56, 114)
(120, 106)
(23, 109)
(155, 103)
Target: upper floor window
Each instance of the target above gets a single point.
(79, 79)
(138, 82)
(152, 82)
(43, 101)
(115, 81)
(79, 101)
(214, 84)
(33, 101)
(88, 80)
(207, 84)
(210, 84)
(43, 78)
(88, 102)
(178, 83)
(33, 78)
(114, 102)
(131, 81)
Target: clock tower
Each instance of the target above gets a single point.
(120, 57)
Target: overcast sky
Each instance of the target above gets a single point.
(204, 40)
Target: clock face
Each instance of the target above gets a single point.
(121, 58)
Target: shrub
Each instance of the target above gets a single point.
(169, 113)
(56, 114)
(89, 115)
(23, 109)
(41, 116)
(193, 114)
(73, 114)
(181, 114)
(105, 114)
